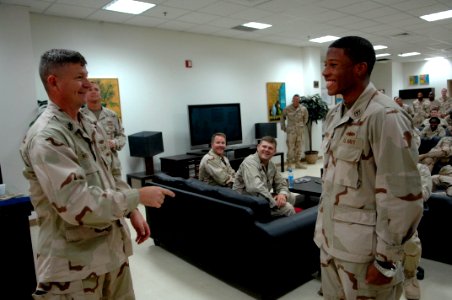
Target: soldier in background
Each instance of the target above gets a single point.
(433, 102)
(433, 130)
(84, 241)
(421, 109)
(443, 179)
(446, 103)
(441, 153)
(406, 107)
(215, 168)
(107, 118)
(297, 117)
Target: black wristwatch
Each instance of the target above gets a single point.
(388, 269)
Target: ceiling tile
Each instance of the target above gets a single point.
(71, 11)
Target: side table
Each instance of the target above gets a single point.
(142, 176)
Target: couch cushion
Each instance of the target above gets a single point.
(163, 178)
(258, 204)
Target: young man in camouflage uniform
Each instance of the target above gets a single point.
(371, 201)
(258, 176)
(84, 242)
(215, 168)
(107, 118)
(297, 116)
(421, 109)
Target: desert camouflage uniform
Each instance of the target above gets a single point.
(216, 170)
(296, 121)
(80, 204)
(413, 247)
(421, 111)
(111, 124)
(371, 200)
(444, 179)
(434, 104)
(448, 120)
(428, 133)
(441, 152)
(408, 109)
(253, 179)
(446, 105)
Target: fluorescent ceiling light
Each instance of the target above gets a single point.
(379, 47)
(382, 55)
(408, 54)
(128, 6)
(435, 58)
(257, 25)
(437, 16)
(324, 39)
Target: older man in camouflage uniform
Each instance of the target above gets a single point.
(371, 201)
(215, 168)
(258, 176)
(297, 116)
(445, 103)
(84, 241)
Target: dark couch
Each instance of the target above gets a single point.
(434, 228)
(234, 238)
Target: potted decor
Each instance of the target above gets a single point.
(317, 110)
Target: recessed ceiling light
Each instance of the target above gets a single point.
(408, 54)
(324, 39)
(257, 25)
(379, 47)
(435, 58)
(437, 16)
(128, 6)
(382, 55)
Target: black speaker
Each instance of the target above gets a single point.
(146, 143)
(264, 129)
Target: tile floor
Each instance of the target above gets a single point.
(160, 275)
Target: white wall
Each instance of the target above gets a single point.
(18, 95)
(439, 72)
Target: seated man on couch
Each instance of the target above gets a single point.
(441, 153)
(215, 168)
(258, 176)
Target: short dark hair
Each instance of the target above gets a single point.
(434, 120)
(56, 58)
(358, 49)
(217, 134)
(269, 139)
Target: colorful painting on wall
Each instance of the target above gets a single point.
(276, 100)
(424, 79)
(109, 91)
(414, 79)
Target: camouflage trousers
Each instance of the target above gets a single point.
(294, 143)
(346, 280)
(113, 285)
(412, 249)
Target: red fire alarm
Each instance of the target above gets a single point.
(188, 63)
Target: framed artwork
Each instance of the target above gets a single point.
(424, 79)
(109, 91)
(276, 100)
(414, 79)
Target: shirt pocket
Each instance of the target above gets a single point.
(355, 228)
(347, 166)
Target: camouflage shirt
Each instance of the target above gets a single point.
(79, 203)
(216, 171)
(252, 178)
(296, 117)
(427, 132)
(421, 111)
(110, 123)
(371, 200)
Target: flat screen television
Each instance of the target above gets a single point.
(205, 120)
